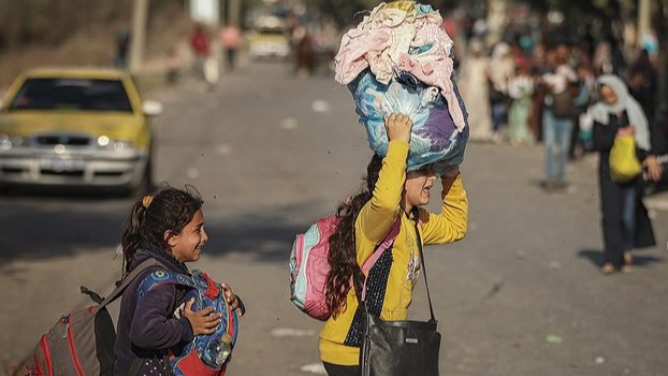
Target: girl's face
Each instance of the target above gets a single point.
(187, 245)
(608, 95)
(418, 186)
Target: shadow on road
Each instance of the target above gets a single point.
(74, 193)
(265, 237)
(36, 231)
(596, 258)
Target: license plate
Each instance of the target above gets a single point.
(62, 164)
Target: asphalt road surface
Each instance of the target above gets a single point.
(521, 295)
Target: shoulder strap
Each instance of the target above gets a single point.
(163, 277)
(118, 291)
(384, 246)
(387, 242)
(416, 214)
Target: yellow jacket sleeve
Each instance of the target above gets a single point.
(451, 224)
(378, 215)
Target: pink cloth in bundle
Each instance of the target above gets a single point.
(375, 44)
(355, 46)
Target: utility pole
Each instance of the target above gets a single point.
(644, 19)
(223, 12)
(234, 16)
(139, 18)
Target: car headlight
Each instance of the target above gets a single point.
(109, 144)
(8, 142)
(123, 145)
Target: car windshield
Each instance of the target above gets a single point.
(72, 94)
(271, 32)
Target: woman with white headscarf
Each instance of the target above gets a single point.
(501, 69)
(625, 223)
(473, 84)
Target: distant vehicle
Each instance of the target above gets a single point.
(269, 38)
(76, 127)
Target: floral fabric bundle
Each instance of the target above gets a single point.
(399, 60)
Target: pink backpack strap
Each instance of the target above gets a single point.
(387, 242)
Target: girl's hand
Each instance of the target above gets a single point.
(232, 299)
(398, 127)
(626, 131)
(654, 169)
(451, 173)
(202, 322)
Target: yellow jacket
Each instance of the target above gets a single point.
(372, 225)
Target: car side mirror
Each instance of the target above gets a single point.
(152, 108)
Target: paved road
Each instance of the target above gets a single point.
(271, 154)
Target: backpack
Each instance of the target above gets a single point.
(81, 343)
(563, 103)
(496, 96)
(205, 355)
(309, 265)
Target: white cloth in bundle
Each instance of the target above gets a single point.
(399, 60)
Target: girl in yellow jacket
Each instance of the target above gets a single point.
(366, 220)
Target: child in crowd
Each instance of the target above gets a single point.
(520, 90)
(173, 67)
(167, 227)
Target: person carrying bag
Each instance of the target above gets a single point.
(621, 136)
(624, 164)
(355, 337)
(417, 127)
(401, 348)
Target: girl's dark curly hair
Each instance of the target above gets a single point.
(343, 254)
(168, 209)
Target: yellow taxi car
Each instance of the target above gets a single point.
(76, 127)
(269, 38)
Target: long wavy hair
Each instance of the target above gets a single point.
(168, 209)
(343, 253)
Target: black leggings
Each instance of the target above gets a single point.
(336, 370)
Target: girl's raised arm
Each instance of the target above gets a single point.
(378, 215)
(451, 224)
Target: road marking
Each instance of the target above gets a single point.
(554, 339)
(290, 332)
(289, 123)
(316, 368)
(223, 149)
(192, 173)
(320, 106)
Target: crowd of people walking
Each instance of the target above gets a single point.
(575, 100)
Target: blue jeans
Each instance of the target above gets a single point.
(629, 217)
(499, 113)
(557, 140)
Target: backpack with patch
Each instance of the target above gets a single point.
(206, 355)
(309, 265)
(81, 343)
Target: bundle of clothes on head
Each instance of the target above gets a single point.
(399, 59)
